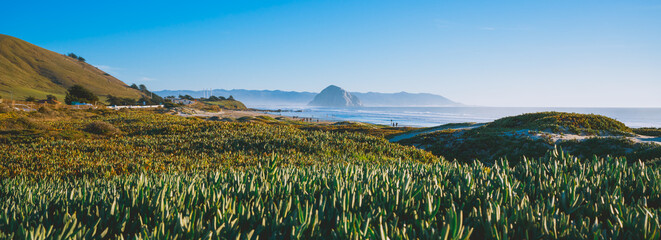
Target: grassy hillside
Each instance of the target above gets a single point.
(28, 70)
(228, 104)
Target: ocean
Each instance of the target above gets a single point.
(434, 116)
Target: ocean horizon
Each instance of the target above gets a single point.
(434, 116)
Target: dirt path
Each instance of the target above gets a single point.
(432, 129)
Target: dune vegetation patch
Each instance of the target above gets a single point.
(19, 123)
(560, 122)
(102, 128)
(654, 132)
(533, 134)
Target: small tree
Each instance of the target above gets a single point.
(143, 88)
(77, 93)
(188, 97)
(72, 55)
(134, 86)
(230, 98)
(30, 99)
(51, 98)
(82, 59)
(113, 101)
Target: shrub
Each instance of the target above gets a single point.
(51, 98)
(102, 128)
(45, 110)
(119, 101)
(78, 93)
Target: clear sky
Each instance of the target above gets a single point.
(490, 53)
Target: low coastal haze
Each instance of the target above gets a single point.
(487, 53)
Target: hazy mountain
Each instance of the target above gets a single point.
(256, 98)
(404, 99)
(250, 97)
(334, 96)
(29, 70)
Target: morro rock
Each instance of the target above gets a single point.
(334, 96)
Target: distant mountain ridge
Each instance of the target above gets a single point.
(250, 97)
(29, 70)
(258, 98)
(334, 96)
(404, 99)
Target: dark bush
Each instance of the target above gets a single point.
(45, 110)
(78, 93)
(102, 128)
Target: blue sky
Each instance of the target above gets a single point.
(490, 53)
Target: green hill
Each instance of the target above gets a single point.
(29, 70)
(534, 134)
(228, 104)
(561, 122)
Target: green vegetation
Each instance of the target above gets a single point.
(51, 99)
(79, 94)
(655, 132)
(28, 70)
(152, 142)
(560, 122)
(338, 127)
(530, 135)
(120, 101)
(100, 127)
(649, 152)
(30, 99)
(138, 174)
(74, 56)
(222, 102)
(469, 145)
(554, 197)
(227, 104)
(358, 127)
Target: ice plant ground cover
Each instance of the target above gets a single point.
(141, 174)
(556, 196)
